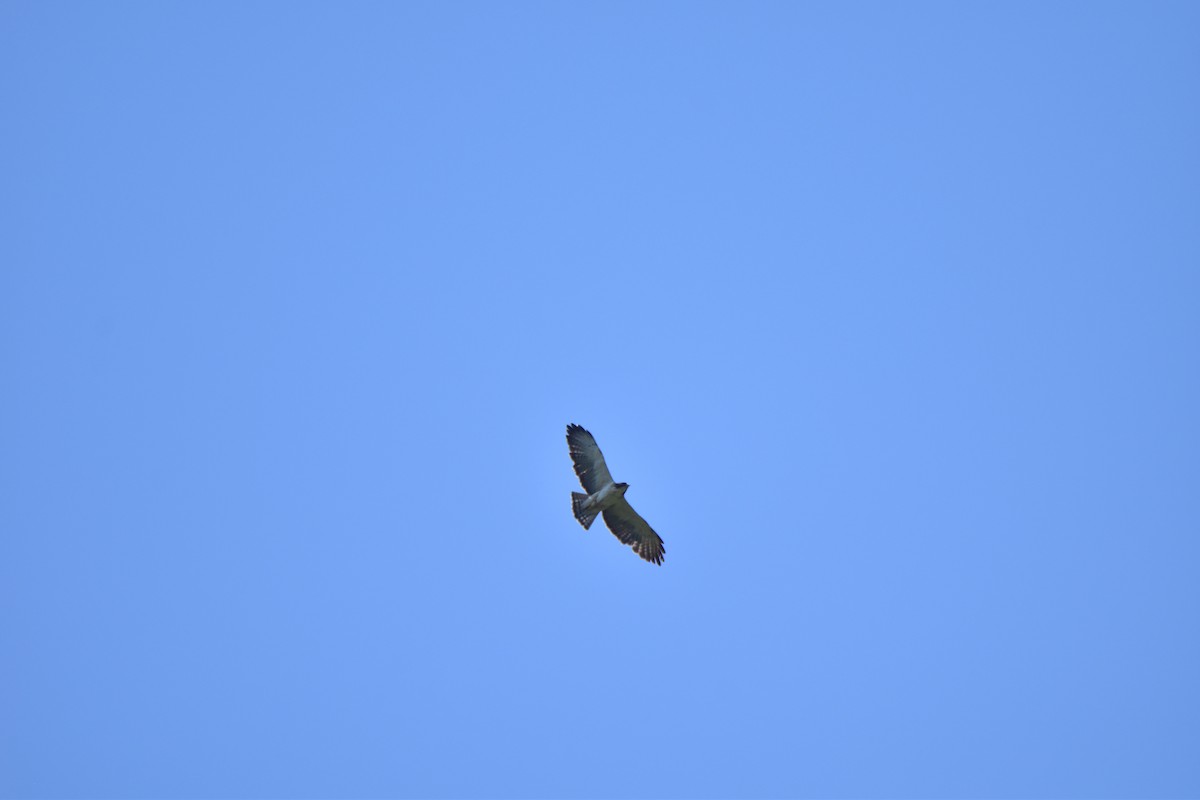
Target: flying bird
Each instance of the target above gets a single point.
(608, 498)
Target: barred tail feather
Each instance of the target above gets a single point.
(585, 516)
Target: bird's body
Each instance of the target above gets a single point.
(587, 506)
(605, 496)
(608, 495)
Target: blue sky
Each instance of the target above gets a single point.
(888, 313)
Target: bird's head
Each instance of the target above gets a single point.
(622, 487)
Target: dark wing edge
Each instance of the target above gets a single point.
(628, 526)
(588, 460)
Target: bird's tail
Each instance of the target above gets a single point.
(586, 516)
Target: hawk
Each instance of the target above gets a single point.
(608, 498)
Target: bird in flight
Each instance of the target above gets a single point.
(608, 498)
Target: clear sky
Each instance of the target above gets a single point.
(889, 314)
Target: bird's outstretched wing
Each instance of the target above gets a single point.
(589, 461)
(628, 526)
